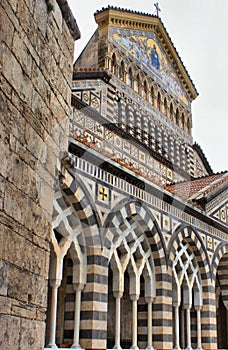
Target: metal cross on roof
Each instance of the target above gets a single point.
(157, 8)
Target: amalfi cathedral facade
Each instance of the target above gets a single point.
(114, 227)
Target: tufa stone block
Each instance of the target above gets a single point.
(9, 332)
(4, 272)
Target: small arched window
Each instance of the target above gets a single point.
(171, 111)
(165, 107)
(137, 84)
(129, 78)
(177, 117)
(113, 64)
(182, 121)
(121, 71)
(145, 90)
(159, 102)
(188, 127)
(151, 96)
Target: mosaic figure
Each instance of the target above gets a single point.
(155, 58)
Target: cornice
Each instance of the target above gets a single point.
(163, 196)
(176, 60)
(128, 20)
(117, 17)
(84, 74)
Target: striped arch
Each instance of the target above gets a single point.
(77, 195)
(143, 220)
(220, 253)
(66, 226)
(220, 269)
(66, 236)
(206, 293)
(70, 225)
(126, 209)
(189, 234)
(220, 281)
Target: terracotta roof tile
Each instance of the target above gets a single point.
(203, 185)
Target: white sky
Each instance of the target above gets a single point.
(199, 31)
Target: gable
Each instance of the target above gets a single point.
(89, 56)
(199, 168)
(221, 213)
(145, 50)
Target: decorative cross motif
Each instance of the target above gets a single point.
(157, 8)
(103, 193)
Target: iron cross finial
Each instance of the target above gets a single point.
(157, 8)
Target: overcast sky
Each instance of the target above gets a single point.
(199, 31)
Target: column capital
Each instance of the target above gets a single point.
(176, 303)
(55, 283)
(117, 294)
(78, 286)
(198, 307)
(149, 299)
(134, 297)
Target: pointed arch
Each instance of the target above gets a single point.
(159, 101)
(189, 267)
(76, 193)
(136, 253)
(129, 77)
(220, 280)
(182, 121)
(126, 209)
(188, 127)
(152, 96)
(188, 233)
(68, 262)
(145, 90)
(113, 63)
(177, 117)
(122, 71)
(165, 107)
(171, 111)
(137, 84)
(220, 252)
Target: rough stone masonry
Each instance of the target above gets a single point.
(36, 55)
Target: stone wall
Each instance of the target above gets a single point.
(36, 56)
